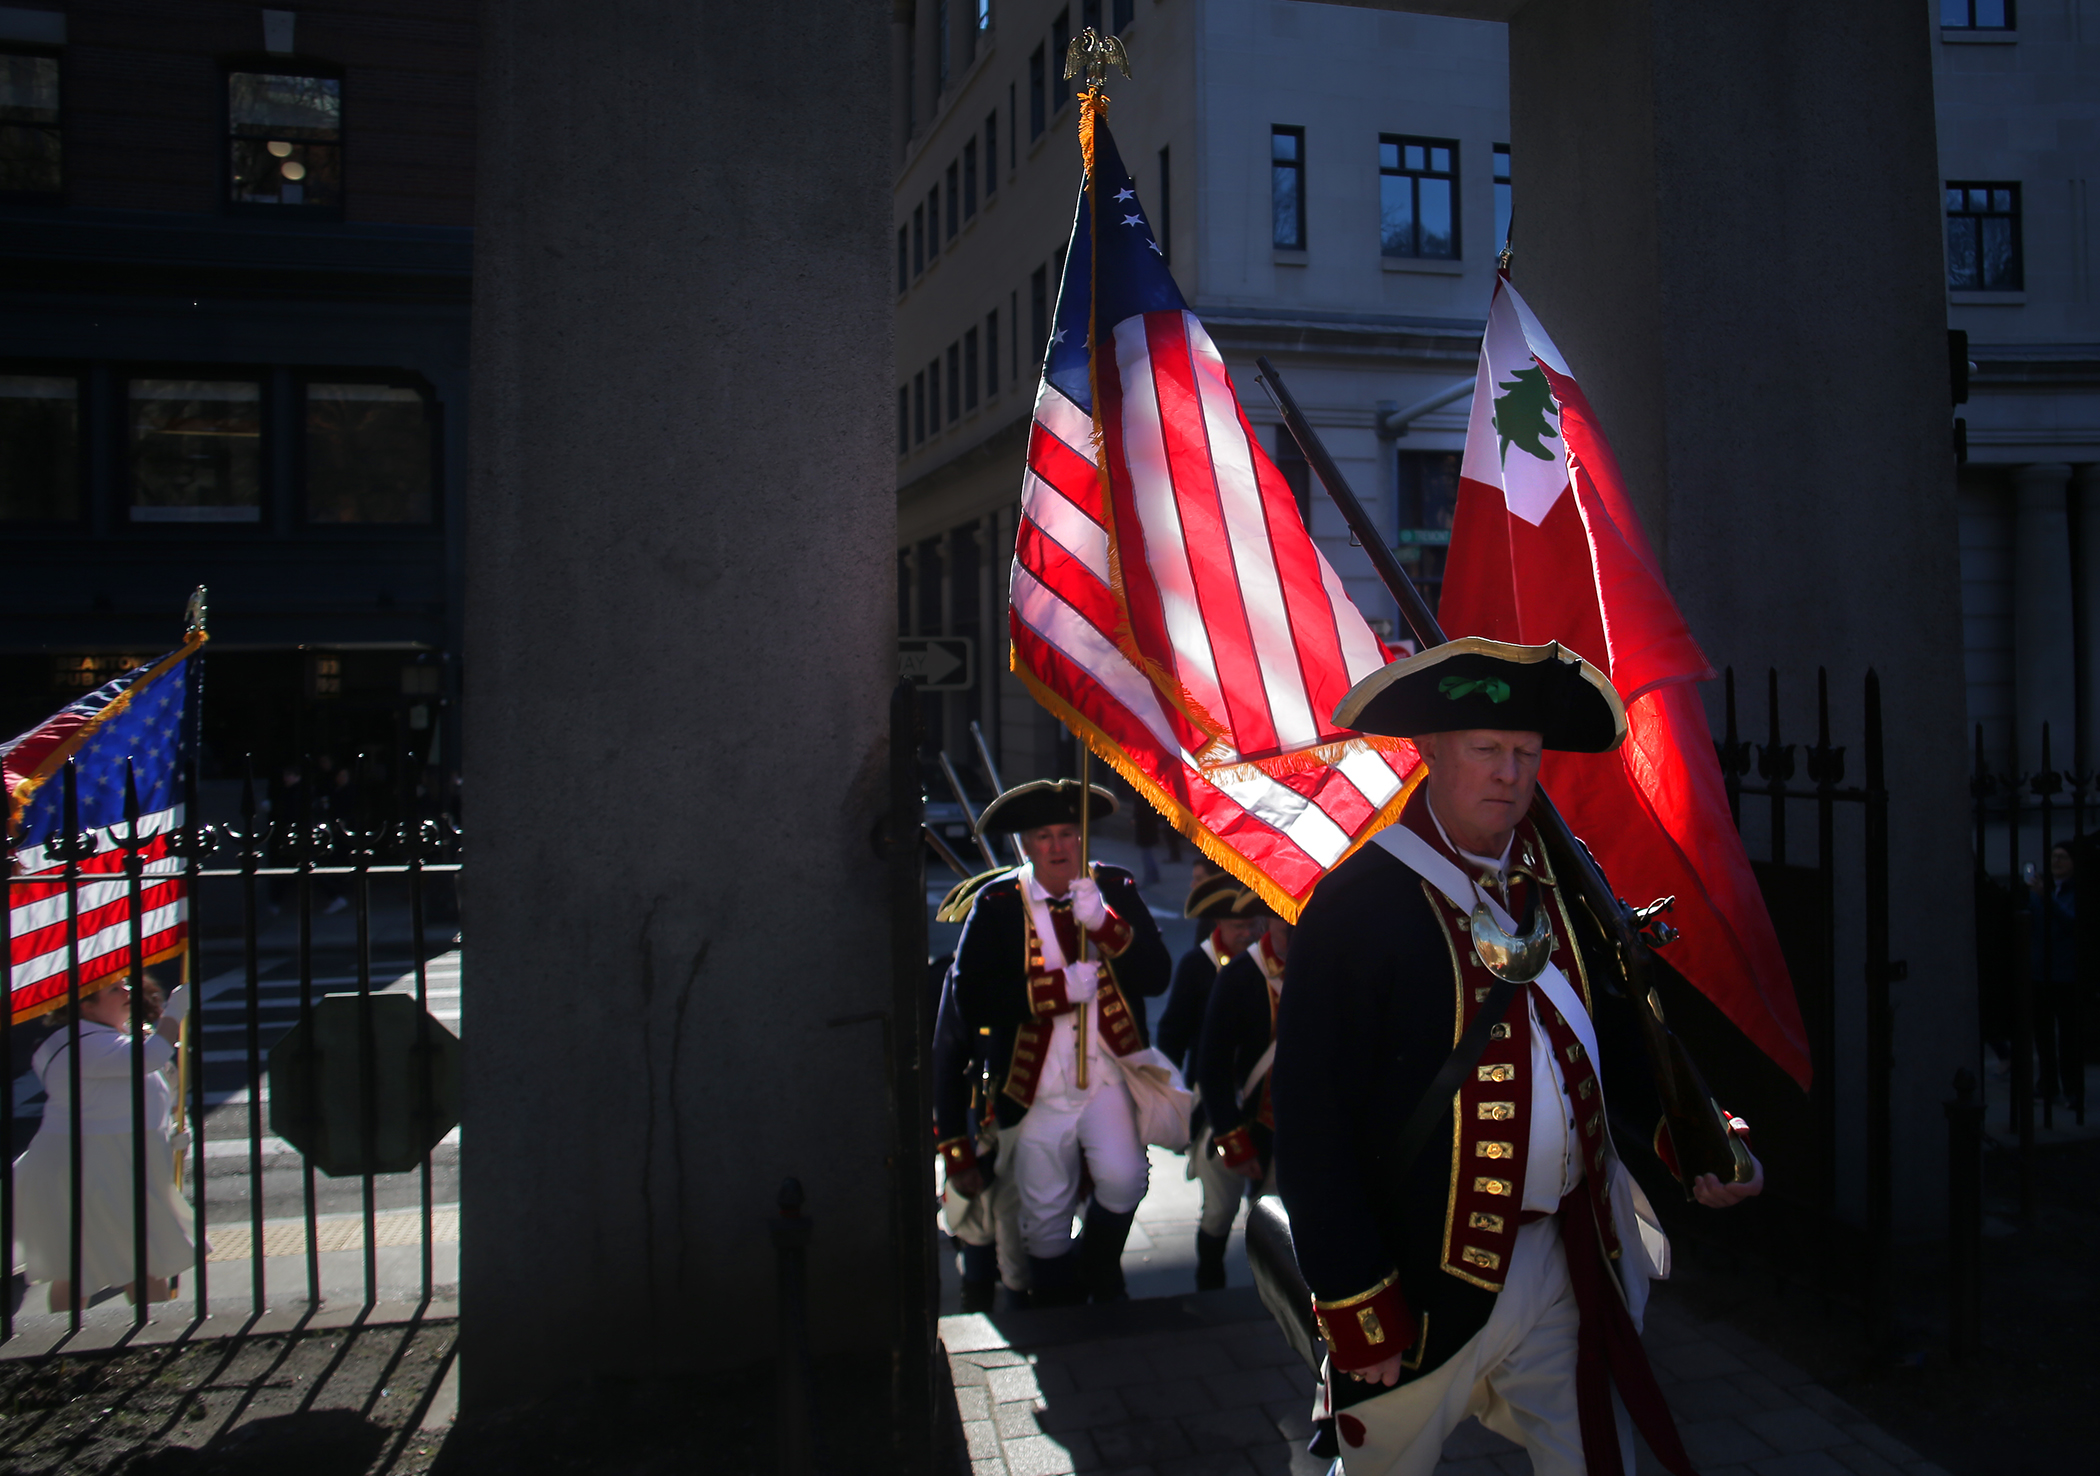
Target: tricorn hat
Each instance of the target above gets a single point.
(1474, 682)
(1043, 802)
(1212, 898)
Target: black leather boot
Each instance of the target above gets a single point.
(1055, 1282)
(1101, 1253)
(1210, 1261)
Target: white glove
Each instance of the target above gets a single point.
(1088, 910)
(179, 1141)
(1082, 980)
(178, 1005)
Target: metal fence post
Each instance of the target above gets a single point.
(1965, 1220)
(1880, 1027)
(794, 1381)
(2023, 1059)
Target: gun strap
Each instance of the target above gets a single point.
(1464, 1056)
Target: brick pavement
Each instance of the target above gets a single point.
(1205, 1386)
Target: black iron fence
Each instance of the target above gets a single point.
(278, 1072)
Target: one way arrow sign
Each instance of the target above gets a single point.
(936, 663)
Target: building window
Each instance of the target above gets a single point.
(955, 383)
(969, 369)
(933, 394)
(29, 137)
(940, 31)
(918, 406)
(1124, 13)
(1036, 122)
(933, 223)
(196, 451)
(991, 154)
(287, 139)
(969, 175)
(1013, 316)
(1983, 236)
(903, 419)
(1039, 311)
(1502, 198)
(954, 201)
(1418, 197)
(1287, 187)
(1166, 208)
(371, 454)
(39, 448)
(991, 353)
(903, 258)
(918, 239)
(1296, 474)
(1428, 496)
(1060, 43)
(1976, 15)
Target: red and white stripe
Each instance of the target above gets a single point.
(37, 914)
(1189, 621)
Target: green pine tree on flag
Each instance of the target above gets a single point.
(1522, 411)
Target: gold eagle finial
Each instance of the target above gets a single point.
(1095, 54)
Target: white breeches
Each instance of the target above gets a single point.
(993, 1218)
(1060, 1133)
(1517, 1374)
(1223, 1189)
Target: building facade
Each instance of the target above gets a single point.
(234, 272)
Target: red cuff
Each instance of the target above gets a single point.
(1046, 993)
(1113, 936)
(1235, 1147)
(958, 1155)
(1368, 1328)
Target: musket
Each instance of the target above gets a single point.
(1698, 1127)
(962, 799)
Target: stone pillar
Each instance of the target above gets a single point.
(2085, 584)
(2045, 672)
(680, 645)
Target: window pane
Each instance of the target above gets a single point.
(1396, 215)
(196, 451)
(1954, 12)
(1990, 13)
(1439, 238)
(1961, 252)
(39, 448)
(261, 105)
(29, 136)
(1388, 155)
(2000, 269)
(1440, 160)
(1414, 156)
(1283, 147)
(368, 455)
(1502, 205)
(1954, 198)
(1502, 161)
(1284, 205)
(2001, 201)
(280, 172)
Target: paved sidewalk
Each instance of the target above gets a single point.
(1205, 1386)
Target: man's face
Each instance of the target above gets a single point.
(1238, 934)
(1481, 782)
(2060, 863)
(1279, 938)
(1054, 851)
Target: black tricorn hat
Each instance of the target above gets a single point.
(1043, 802)
(1212, 898)
(1474, 682)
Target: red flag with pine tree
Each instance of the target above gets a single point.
(1546, 546)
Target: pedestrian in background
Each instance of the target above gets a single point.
(43, 1174)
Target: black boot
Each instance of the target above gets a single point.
(1101, 1252)
(1055, 1282)
(1210, 1261)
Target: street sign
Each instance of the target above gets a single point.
(317, 1095)
(936, 663)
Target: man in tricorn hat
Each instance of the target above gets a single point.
(1502, 1271)
(1050, 962)
(1221, 901)
(1233, 1058)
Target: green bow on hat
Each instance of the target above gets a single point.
(1492, 688)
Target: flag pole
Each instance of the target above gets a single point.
(1086, 869)
(1699, 1128)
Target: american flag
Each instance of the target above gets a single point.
(144, 716)
(1167, 602)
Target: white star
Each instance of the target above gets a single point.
(1156, 251)
(1057, 337)
(1133, 220)
(1126, 193)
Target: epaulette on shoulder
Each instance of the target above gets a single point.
(956, 905)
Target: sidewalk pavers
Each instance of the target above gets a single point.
(1204, 1385)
